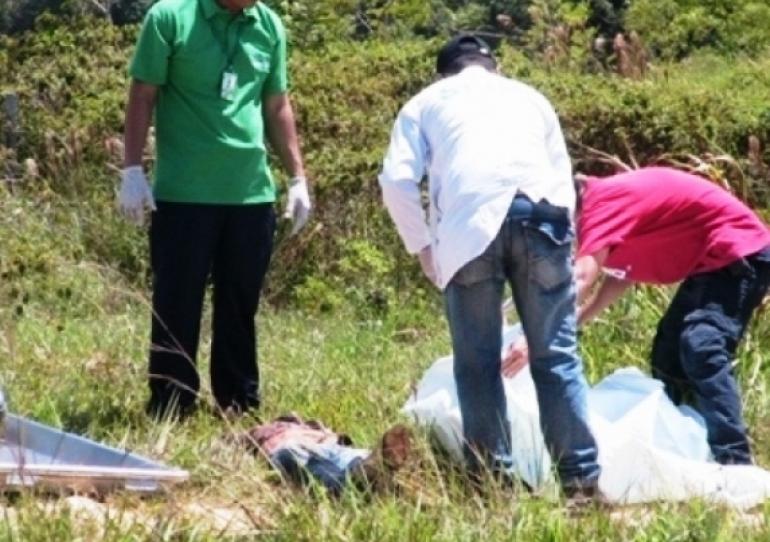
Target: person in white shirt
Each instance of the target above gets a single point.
(501, 205)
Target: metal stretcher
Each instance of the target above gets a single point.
(36, 455)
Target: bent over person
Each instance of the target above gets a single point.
(214, 73)
(661, 226)
(501, 198)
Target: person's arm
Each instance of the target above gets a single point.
(610, 290)
(135, 194)
(277, 110)
(282, 132)
(149, 73)
(402, 170)
(141, 103)
(587, 271)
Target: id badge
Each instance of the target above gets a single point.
(229, 84)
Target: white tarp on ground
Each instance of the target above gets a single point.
(649, 449)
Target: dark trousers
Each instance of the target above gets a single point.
(695, 345)
(189, 242)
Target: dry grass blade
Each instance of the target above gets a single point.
(605, 158)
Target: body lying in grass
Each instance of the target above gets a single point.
(307, 450)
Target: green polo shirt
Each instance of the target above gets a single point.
(210, 148)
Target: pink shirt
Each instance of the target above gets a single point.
(662, 225)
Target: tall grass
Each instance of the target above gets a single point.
(350, 327)
(73, 339)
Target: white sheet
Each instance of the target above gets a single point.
(649, 449)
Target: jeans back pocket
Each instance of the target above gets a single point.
(549, 247)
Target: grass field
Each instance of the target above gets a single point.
(72, 354)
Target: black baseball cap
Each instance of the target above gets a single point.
(460, 46)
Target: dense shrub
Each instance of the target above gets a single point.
(347, 95)
(315, 23)
(20, 15)
(675, 28)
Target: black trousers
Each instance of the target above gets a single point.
(189, 242)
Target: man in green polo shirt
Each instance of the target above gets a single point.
(214, 73)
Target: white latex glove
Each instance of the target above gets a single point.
(426, 262)
(135, 195)
(297, 203)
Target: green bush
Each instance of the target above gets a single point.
(316, 23)
(676, 28)
(347, 95)
(21, 15)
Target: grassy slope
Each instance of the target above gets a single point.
(73, 333)
(72, 348)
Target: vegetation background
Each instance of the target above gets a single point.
(349, 324)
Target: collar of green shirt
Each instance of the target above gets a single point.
(211, 8)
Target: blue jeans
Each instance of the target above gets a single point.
(330, 464)
(695, 345)
(533, 252)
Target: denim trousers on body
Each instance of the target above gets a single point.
(189, 243)
(696, 342)
(330, 465)
(533, 253)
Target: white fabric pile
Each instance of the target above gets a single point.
(649, 449)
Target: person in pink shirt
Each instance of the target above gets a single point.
(660, 225)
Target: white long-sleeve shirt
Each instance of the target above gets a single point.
(481, 138)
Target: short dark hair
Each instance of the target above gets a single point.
(462, 51)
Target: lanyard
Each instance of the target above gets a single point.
(228, 54)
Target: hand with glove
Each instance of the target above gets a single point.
(135, 195)
(297, 203)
